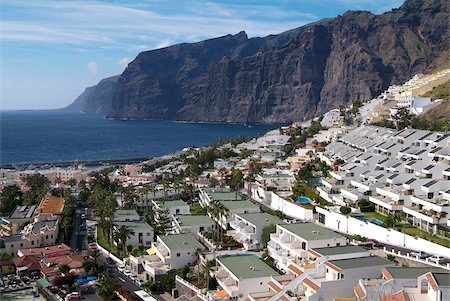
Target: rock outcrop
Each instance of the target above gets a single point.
(287, 77)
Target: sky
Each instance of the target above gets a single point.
(50, 51)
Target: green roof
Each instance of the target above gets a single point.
(442, 278)
(311, 232)
(42, 282)
(135, 225)
(125, 212)
(360, 262)
(170, 204)
(260, 219)
(181, 241)
(339, 250)
(411, 272)
(224, 196)
(247, 266)
(191, 220)
(232, 205)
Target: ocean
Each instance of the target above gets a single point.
(55, 136)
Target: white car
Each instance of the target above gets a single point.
(419, 254)
(132, 278)
(139, 282)
(83, 215)
(127, 273)
(437, 259)
(121, 268)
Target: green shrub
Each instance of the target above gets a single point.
(345, 210)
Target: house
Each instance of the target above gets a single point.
(170, 252)
(143, 232)
(288, 246)
(236, 207)
(240, 275)
(193, 224)
(39, 253)
(25, 265)
(173, 207)
(248, 228)
(126, 215)
(51, 205)
(17, 219)
(50, 264)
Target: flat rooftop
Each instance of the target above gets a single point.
(23, 212)
(191, 220)
(247, 266)
(180, 241)
(171, 204)
(311, 232)
(410, 272)
(261, 219)
(339, 250)
(361, 262)
(125, 213)
(234, 205)
(135, 225)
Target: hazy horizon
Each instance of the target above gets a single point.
(51, 51)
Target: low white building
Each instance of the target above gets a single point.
(193, 224)
(240, 275)
(248, 228)
(143, 232)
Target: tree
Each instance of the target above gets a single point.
(64, 268)
(265, 235)
(38, 186)
(10, 197)
(391, 220)
(105, 287)
(121, 234)
(345, 210)
(213, 182)
(402, 118)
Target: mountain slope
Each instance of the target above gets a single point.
(287, 77)
(96, 99)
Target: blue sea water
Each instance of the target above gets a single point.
(52, 136)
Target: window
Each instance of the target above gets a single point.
(178, 254)
(32, 242)
(46, 236)
(51, 236)
(21, 244)
(338, 244)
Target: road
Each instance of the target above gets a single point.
(78, 236)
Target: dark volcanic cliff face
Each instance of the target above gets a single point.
(287, 77)
(96, 99)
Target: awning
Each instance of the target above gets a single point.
(42, 282)
(151, 251)
(221, 293)
(24, 268)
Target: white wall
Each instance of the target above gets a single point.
(350, 225)
(291, 209)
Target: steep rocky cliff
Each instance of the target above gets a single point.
(287, 77)
(96, 99)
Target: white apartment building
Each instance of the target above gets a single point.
(193, 224)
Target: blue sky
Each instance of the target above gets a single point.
(51, 50)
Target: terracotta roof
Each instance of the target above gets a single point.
(359, 292)
(5, 262)
(285, 298)
(273, 286)
(431, 280)
(51, 205)
(311, 284)
(386, 273)
(294, 269)
(50, 265)
(45, 251)
(30, 262)
(332, 266)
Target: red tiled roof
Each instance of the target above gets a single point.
(398, 296)
(386, 273)
(359, 292)
(431, 280)
(45, 251)
(332, 266)
(30, 262)
(311, 284)
(294, 269)
(273, 286)
(52, 264)
(284, 298)
(50, 205)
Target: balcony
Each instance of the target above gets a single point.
(387, 202)
(428, 216)
(225, 280)
(155, 266)
(162, 250)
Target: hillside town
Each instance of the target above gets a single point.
(336, 208)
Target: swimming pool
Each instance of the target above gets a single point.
(303, 200)
(370, 220)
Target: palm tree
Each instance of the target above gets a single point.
(95, 254)
(121, 235)
(196, 255)
(105, 287)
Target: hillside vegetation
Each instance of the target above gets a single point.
(439, 92)
(435, 119)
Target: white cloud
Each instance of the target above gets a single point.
(164, 43)
(123, 62)
(92, 68)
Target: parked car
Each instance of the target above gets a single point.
(72, 296)
(109, 260)
(139, 282)
(121, 268)
(375, 243)
(127, 273)
(419, 254)
(437, 259)
(83, 216)
(133, 278)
